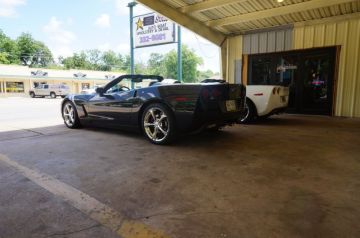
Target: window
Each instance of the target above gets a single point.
(124, 85)
(46, 86)
(261, 71)
(15, 87)
(274, 69)
(38, 84)
(85, 86)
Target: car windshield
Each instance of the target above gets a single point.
(126, 84)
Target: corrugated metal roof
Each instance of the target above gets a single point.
(241, 7)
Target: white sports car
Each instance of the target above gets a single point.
(263, 101)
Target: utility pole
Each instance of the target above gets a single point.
(179, 59)
(131, 6)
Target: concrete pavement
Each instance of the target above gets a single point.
(289, 176)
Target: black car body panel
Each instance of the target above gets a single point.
(194, 106)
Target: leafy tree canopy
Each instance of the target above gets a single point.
(26, 50)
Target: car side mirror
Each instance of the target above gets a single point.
(100, 91)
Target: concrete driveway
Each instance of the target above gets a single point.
(290, 176)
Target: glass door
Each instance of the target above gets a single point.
(315, 84)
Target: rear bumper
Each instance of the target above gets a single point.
(188, 121)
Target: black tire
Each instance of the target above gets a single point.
(153, 131)
(72, 124)
(250, 113)
(53, 95)
(32, 94)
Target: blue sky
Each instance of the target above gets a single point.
(68, 26)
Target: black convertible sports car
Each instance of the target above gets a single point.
(158, 108)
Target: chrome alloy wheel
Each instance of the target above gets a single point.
(245, 114)
(156, 124)
(69, 115)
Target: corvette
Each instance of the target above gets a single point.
(160, 110)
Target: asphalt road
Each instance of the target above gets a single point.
(26, 113)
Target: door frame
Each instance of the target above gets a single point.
(335, 60)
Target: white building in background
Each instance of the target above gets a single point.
(18, 80)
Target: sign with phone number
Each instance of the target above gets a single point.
(153, 29)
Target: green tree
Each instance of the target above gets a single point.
(77, 61)
(156, 64)
(141, 68)
(43, 56)
(32, 52)
(126, 64)
(8, 50)
(93, 57)
(190, 64)
(110, 61)
(4, 58)
(206, 74)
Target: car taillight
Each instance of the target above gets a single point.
(274, 91)
(181, 99)
(278, 91)
(205, 94)
(216, 93)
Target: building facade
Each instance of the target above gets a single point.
(322, 59)
(19, 80)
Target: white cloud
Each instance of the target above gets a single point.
(121, 7)
(60, 39)
(123, 48)
(69, 21)
(103, 21)
(8, 7)
(104, 47)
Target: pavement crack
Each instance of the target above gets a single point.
(21, 137)
(33, 131)
(75, 231)
(174, 213)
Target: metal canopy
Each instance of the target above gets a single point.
(217, 19)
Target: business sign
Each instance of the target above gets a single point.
(153, 29)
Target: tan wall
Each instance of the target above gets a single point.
(344, 33)
(231, 53)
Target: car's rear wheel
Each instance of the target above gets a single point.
(249, 114)
(158, 124)
(70, 115)
(52, 95)
(32, 94)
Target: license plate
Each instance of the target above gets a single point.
(230, 105)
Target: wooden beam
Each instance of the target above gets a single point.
(186, 21)
(206, 5)
(273, 12)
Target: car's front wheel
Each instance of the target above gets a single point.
(70, 115)
(158, 124)
(32, 94)
(52, 95)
